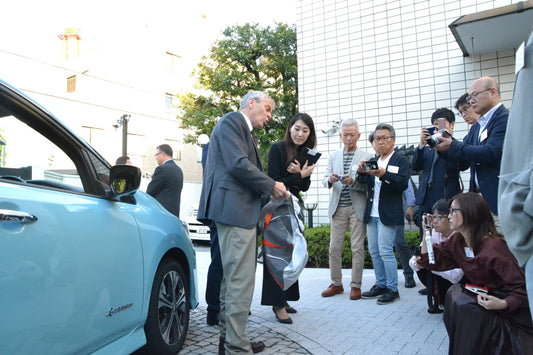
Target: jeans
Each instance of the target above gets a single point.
(380, 245)
(214, 274)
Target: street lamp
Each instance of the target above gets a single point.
(123, 121)
(310, 204)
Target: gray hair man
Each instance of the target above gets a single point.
(346, 209)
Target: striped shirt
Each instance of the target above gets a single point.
(347, 158)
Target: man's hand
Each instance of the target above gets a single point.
(333, 178)
(444, 144)
(424, 135)
(409, 214)
(280, 191)
(348, 180)
(379, 172)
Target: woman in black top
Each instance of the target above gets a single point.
(283, 166)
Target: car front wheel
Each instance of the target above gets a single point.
(168, 314)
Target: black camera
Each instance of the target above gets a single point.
(417, 251)
(371, 164)
(433, 139)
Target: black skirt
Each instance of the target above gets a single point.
(474, 330)
(273, 295)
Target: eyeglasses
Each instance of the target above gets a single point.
(463, 112)
(382, 139)
(156, 154)
(474, 95)
(438, 217)
(453, 210)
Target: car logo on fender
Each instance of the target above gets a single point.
(112, 310)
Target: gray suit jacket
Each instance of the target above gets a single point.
(357, 192)
(515, 200)
(234, 183)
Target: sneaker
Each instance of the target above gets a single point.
(374, 292)
(409, 282)
(389, 297)
(332, 290)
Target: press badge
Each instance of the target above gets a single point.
(393, 169)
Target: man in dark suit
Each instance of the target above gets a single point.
(440, 178)
(482, 147)
(384, 212)
(167, 181)
(233, 192)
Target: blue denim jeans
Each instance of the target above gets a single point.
(381, 248)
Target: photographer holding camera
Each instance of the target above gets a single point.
(440, 179)
(384, 213)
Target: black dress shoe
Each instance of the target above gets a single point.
(281, 320)
(212, 318)
(423, 291)
(257, 346)
(410, 282)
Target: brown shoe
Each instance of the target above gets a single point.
(355, 293)
(332, 291)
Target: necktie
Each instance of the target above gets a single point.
(430, 177)
(254, 138)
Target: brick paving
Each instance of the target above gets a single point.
(334, 325)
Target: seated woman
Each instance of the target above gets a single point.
(437, 282)
(482, 324)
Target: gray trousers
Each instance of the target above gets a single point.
(238, 251)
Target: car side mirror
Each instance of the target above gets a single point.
(124, 180)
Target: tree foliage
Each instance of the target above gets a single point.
(247, 58)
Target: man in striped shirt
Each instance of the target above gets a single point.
(346, 209)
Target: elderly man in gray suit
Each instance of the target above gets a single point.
(346, 210)
(233, 191)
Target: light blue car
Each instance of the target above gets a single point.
(88, 264)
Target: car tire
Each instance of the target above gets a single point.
(168, 314)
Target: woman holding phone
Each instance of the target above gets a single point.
(283, 166)
(495, 323)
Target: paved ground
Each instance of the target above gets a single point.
(334, 325)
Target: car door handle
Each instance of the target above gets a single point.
(17, 216)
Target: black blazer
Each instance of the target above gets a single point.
(391, 194)
(166, 186)
(277, 158)
(445, 182)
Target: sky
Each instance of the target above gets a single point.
(30, 28)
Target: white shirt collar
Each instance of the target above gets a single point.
(484, 120)
(248, 122)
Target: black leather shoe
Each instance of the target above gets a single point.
(423, 291)
(212, 318)
(257, 346)
(410, 282)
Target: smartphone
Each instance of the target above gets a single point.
(480, 290)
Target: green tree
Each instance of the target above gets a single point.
(247, 58)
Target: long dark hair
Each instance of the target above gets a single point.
(477, 218)
(291, 148)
